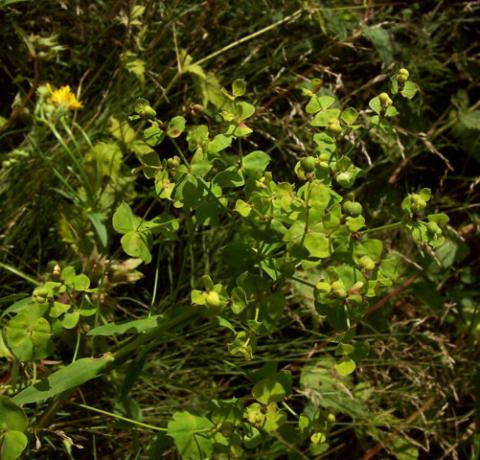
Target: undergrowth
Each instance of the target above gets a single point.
(241, 231)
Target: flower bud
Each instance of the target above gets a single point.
(434, 228)
(323, 287)
(334, 127)
(345, 179)
(338, 289)
(308, 163)
(403, 75)
(367, 263)
(352, 208)
(317, 438)
(418, 203)
(385, 100)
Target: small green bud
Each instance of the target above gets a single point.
(355, 299)
(334, 127)
(323, 287)
(403, 75)
(345, 179)
(173, 162)
(434, 228)
(367, 263)
(254, 414)
(308, 163)
(144, 109)
(331, 418)
(352, 208)
(338, 289)
(318, 438)
(385, 100)
(418, 203)
(213, 299)
(40, 295)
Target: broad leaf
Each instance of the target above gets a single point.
(67, 378)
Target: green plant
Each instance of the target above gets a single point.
(284, 232)
(257, 314)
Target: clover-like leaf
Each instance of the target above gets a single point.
(191, 435)
(176, 126)
(255, 163)
(137, 244)
(239, 87)
(318, 103)
(269, 390)
(124, 220)
(409, 90)
(345, 367)
(317, 244)
(28, 335)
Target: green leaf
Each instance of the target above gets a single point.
(4, 351)
(191, 434)
(28, 335)
(136, 244)
(317, 244)
(98, 221)
(318, 103)
(403, 449)
(269, 390)
(375, 105)
(81, 282)
(230, 177)
(12, 417)
(218, 143)
(153, 135)
(471, 120)
(136, 326)
(134, 64)
(244, 110)
(409, 90)
(58, 309)
(176, 126)
(124, 220)
(69, 377)
(324, 117)
(380, 39)
(350, 115)
(239, 87)
(70, 320)
(197, 136)
(121, 131)
(345, 367)
(13, 444)
(255, 163)
(243, 208)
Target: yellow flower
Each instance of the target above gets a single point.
(63, 97)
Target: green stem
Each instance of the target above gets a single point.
(382, 228)
(19, 273)
(249, 37)
(119, 417)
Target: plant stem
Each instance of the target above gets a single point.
(119, 417)
(382, 228)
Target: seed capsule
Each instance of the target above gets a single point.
(308, 163)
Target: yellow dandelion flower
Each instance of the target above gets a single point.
(63, 97)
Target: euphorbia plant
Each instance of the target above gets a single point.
(310, 229)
